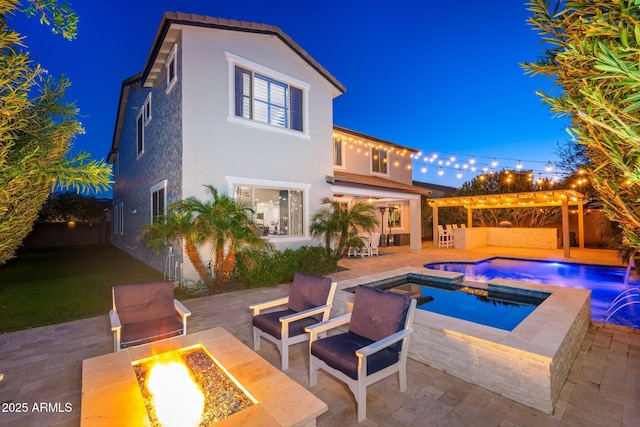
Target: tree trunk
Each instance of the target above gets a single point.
(227, 268)
(194, 257)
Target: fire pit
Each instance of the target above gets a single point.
(237, 386)
(188, 387)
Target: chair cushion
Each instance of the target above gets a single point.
(143, 302)
(378, 314)
(309, 291)
(149, 330)
(270, 323)
(339, 352)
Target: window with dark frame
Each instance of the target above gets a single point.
(140, 133)
(263, 99)
(158, 204)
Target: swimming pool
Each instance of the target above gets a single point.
(604, 282)
(492, 306)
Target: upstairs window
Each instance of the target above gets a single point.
(338, 155)
(378, 160)
(147, 110)
(267, 100)
(171, 68)
(140, 133)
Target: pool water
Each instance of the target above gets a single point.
(489, 308)
(604, 282)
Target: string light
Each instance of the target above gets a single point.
(397, 155)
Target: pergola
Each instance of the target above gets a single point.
(529, 199)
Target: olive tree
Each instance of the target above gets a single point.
(591, 51)
(37, 128)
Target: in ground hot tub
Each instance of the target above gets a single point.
(528, 364)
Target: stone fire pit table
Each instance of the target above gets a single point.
(111, 396)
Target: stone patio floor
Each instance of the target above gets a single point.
(42, 366)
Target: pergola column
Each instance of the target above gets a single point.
(415, 239)
(581, 225)
(434, 216)
(566, 243)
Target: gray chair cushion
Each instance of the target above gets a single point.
(339, 352)
(270, 323)
(308, 291)
(378, 314)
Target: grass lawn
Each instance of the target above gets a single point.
(55, 285)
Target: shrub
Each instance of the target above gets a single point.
(266, 269)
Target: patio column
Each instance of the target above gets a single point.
(566, 244)
(581, 224)
(434, 215)
(469, 218)
(415, 228)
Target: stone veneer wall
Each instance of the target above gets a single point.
(474, 237)
(523, 376)
(528, 365)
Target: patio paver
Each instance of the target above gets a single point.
(42, 366)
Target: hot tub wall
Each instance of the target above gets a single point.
(528, 365)
(526, 377)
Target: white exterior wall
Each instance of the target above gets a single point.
(357, 162)
(218, 146)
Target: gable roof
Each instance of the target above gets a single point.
(165, 38)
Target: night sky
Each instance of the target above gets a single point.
(436, 76)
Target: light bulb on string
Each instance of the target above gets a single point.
(440, 172)
(548, 167)
(459, 174)
(494, 163)
(472, 160)
(519, 165)
(423, 169)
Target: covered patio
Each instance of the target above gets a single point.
(44, 364)
(529, 199)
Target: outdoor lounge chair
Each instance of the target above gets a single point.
(309, 302)
(146, 312)
(375, 346)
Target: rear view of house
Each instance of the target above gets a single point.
(233, 104)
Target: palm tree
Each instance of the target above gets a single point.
(221, 222)
(339, 223)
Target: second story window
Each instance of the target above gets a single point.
(267, 100)
(338, 158)
(378, 160)
(172, 68)
(140, 133)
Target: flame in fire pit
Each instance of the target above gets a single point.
(177, 399)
